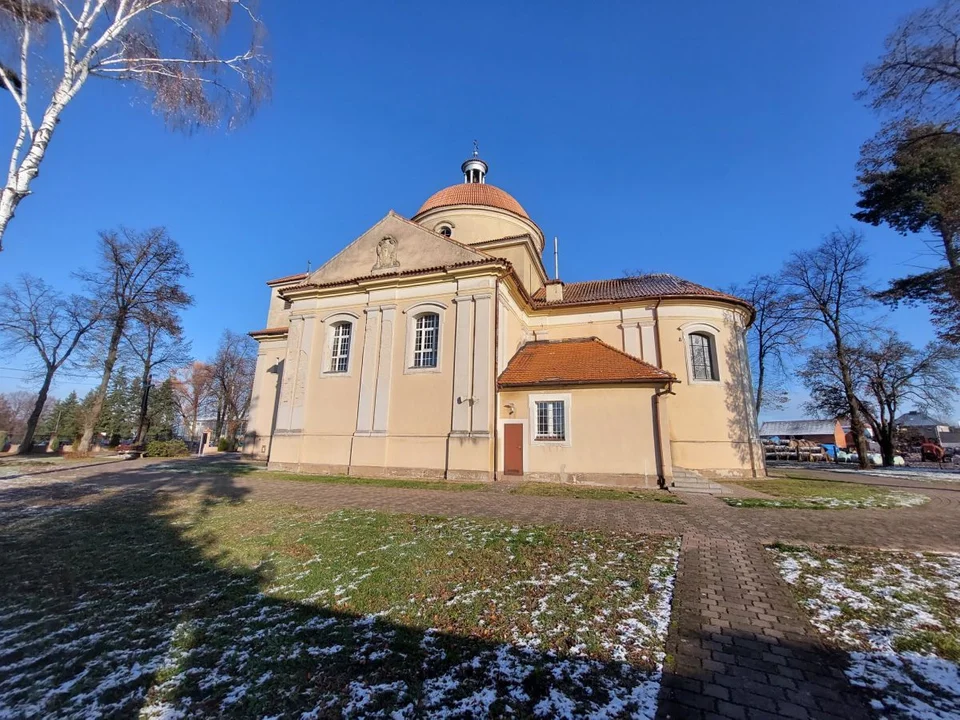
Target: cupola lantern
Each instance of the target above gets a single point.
(474, 169)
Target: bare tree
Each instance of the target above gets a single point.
(917, 79)
(34, 317)
(157, 342)
(887, 373)
(775, 335)
(193, 390)
(139, 272)
(15, 410)
(233, 370)
(828, 282)
(895, 372)
(201, 61)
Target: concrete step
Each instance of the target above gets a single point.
(690, 481)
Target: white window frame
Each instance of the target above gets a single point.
(413, 314)
(567, 400)
(439, 226)
(713, 333)
(331, 322)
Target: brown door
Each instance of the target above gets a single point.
(513, 449)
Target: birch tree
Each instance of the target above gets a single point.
(35, 317)
(200, 63)
(139, 272)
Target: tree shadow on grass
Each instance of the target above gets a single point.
(113, 606)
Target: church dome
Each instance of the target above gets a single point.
(474, 193)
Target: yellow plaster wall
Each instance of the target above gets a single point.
(478, 224)
(712, 423)
(611, 431)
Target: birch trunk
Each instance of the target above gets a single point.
(22, 174)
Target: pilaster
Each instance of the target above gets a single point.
(482, 364)
(368, 370)
(462, 365)
(648, 343)
(384, 369)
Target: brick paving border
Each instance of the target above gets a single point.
(739, 646)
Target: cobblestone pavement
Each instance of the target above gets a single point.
(739, 645)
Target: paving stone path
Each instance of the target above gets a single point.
(739, 645)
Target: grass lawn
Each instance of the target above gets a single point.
(194, 606)
(803, 494)
(897, 614)
(581, 492)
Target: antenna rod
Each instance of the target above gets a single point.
(556, 260)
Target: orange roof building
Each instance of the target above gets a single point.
(440, 346)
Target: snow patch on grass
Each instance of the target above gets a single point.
(896, 614)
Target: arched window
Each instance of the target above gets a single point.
(426, 341)
(703, 356)
(340, 347)
(445, 230)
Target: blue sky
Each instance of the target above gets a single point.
(704, 139)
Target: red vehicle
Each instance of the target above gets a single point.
(932, 452)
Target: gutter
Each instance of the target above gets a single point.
(562, 383)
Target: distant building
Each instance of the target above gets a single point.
(950, 440)
(919, 423)
(827, 432)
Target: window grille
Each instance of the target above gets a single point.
(701, 357)
(340, 352)
(551, 420)
(426, 341)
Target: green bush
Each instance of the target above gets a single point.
(168, 448)
(227, 445)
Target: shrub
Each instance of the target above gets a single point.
(168, 448)
(227, 445)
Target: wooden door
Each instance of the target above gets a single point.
(513, 449)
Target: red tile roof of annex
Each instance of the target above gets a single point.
(577, 361)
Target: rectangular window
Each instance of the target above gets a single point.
(340, 352)
(551, 420)
(425, 342)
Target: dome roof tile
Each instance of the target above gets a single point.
(474, 194)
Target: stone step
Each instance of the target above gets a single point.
(693, 483)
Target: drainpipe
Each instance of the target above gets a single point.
(496, 390)
(657, 435)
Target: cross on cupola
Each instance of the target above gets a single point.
(474, 169)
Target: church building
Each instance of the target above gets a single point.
(439, 347)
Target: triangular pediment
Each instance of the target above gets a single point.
(393, 245)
